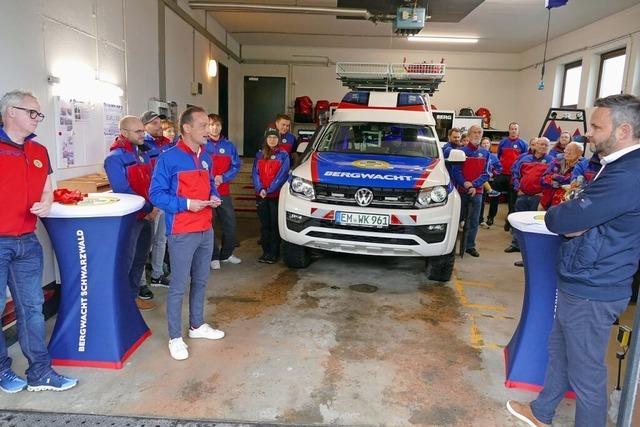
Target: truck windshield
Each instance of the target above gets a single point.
(379, 138)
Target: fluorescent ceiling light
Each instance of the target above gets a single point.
(435, 39)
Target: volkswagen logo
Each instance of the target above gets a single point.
(363, 197)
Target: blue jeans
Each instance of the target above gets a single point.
(225, 216)
(137, 252)
(190, 255)
(158, 245)
(21, 269)
(577, 349)
(474, 216)
(524, 203)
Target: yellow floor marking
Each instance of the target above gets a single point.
(475, 284)
(486, 307)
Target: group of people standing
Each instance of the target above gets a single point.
(186, 184)
(184, 176)
(530, 176)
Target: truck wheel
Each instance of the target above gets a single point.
(440, 268)
(296, 256)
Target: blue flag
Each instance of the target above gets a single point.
(550, 4)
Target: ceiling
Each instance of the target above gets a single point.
(506, 26)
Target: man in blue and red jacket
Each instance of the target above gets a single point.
(154, 138)
(598, 256)
(183, 187)
(557, 151)
(288, 142)
(26, 193)
(128, 168)
(526, 175)
(509, 149)
(157, 143)
(469, 179)
(226, 165)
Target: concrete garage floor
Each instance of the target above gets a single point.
(351, 340)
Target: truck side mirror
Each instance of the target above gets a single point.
(456, 156)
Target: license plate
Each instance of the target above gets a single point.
(365, 220)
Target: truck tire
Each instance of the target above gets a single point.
(440, 268)
(296, 256)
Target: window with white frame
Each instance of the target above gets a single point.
(611, 72)
(571, 84)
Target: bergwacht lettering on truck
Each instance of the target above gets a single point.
(361, 175)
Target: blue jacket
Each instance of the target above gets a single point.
(128, 168)
(508, 152)
(270, 174)
(495, 166)
(226, 162)
(156, 146)
(586, 168)
(517, 168)
(180, 175)
(600, 264)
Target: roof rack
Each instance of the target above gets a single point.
(422, 78)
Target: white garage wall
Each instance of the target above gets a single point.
(473, 80)
(616, 31)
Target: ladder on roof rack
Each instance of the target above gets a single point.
(400, 77)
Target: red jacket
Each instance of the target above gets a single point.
(25, 169)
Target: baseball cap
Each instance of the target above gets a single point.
(148, 116)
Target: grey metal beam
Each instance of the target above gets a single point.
(171, 4)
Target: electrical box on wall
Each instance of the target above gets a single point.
(167, 109)
(196, 88)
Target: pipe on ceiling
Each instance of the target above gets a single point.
(215, 6)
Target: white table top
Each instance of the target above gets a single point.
(99, 205)
(529, 222)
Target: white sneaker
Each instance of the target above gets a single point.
(215, 264)
(232, 260)
(206, 331)
(178, 349)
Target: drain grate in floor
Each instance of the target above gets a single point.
(40, 419)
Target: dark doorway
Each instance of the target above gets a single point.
(223, 97)
(264, 99)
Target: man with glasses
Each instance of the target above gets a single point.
(129, 171)
(597, 259)
(25, 194)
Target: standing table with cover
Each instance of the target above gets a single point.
(526, 354)
(98, 323)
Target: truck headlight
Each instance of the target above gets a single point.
(431, 197)
(302, 188)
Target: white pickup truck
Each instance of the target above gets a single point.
(373, 181)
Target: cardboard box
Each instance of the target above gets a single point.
(92, 183)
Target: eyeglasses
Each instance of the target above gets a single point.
(34, 114)
(139, 132)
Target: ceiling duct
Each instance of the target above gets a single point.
(215, 6)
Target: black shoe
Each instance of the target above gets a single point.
(160, 282)
(263, 258)
(145, 292)
(519, 263)
(511, 249)
(489, 221)
(270, 259)
(473, 252)
(507, 226)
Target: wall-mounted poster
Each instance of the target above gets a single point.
(84, 131)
